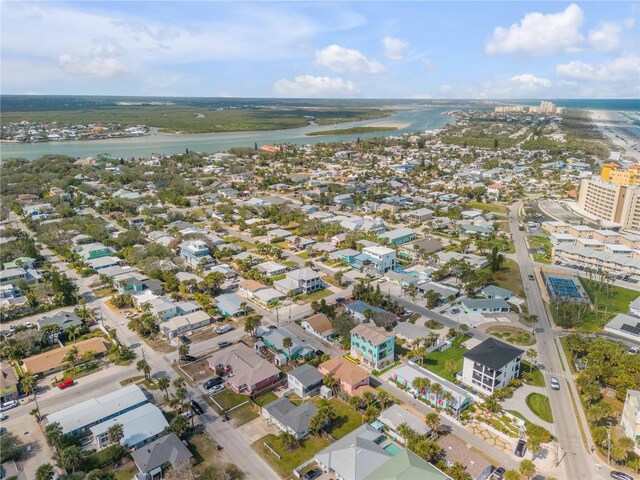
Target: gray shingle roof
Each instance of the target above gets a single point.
(295, 417)
(307, 375)
(493, 353)
(167, 449)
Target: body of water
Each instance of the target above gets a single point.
(414, 118)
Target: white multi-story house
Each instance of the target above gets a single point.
(304, 280)
(195, 253)
(630, 420)
(491, 365)
(380, 259)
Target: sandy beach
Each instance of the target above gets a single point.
(389, 123)
(615, 129)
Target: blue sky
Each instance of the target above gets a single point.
(295, 49)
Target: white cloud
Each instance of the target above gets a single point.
(529, 82)
(394, 48)
(345, 60)
(606, 36)
(101, 67)
(625, 68)
(519, 86)
(540, 34)
(445, 89)
(304, 86)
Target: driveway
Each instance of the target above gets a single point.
(519, 403)
(256, 429)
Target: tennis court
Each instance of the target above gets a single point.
(563, 287)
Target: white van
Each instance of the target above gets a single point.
(223, 329)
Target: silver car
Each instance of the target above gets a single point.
(555, 384)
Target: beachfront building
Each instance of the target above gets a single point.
(490, 366)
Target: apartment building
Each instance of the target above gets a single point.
(373, 346)
(613, 197)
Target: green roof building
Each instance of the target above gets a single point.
(406, 465)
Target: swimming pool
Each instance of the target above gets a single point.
(392, 449)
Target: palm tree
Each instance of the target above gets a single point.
(53, 434)
(71, 357)
(252, 324)
(287, 440)
(368, 398)
(355, 402)
(163, 384)
(371, 413)
(73, 332)
(45, 472)
(527, 468)
(115, 433)
(448, 398)
(433, 422)
(406, 432)
(383, 399)
(287, 343)
(71, 458)
(331, 382)
(532, 354)
(30, 385)
(437, 390)
(143, 366)
(183, 350)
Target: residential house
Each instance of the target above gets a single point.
(289, 417)
(420, 215)
(396, 415)
(491, 365)
(624, 325)
(52, 361)
(630, 419)
(320, 326)
(184, 323)
(14, 275)
(356, 455)
(271, 269)
(472, 305)
(373, 346)
(80, 417)
(406, 465)
(230, 305)
(140, 426)
(358, 308)
(496, 293)
(63, 320)
(9, 383)
(246, 371)
(195, 253)
(90, 251)
(399, 236)
(305, 381)
(406, 374)
(352, 377)
(274, 338)
(164, 451)
(377, 259)
(301, 281)
(250, 287)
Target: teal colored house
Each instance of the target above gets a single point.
(347, 255)
(90, 251)
(373, 346)
(399, 236)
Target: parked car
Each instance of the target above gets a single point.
(3, 430)
(634, 350)
(531, 277)
(184, 340)
(28, 325)
(216, 389)
(311, 474)
(3, 417)
(455, 311)
(188, 358)
(319, 353)
(224, 343)
(195, 406)
(498, 473)
(187, 413)
(223, 329)
(212, 382)
(8, 405)
(621, 475)
(555, 384)
(520, 448)
(66, 383)
(339, 300)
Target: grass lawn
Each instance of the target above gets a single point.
(509, 278)
(126, 472)
(331, 280)
(266, 398)
(275, 278)
(539, 404)
(537, 379)
(228, 399)
(289, 459)
(304, 254)
(401, 350)
(289, 263)
(514, 335)
(437, 361)
(135, 379)
(243, 414)
(203, 448)
(489, 207)
(347, 419)
(607, 306)
(541, 258)
(325, 292)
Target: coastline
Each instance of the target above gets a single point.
(612, 126)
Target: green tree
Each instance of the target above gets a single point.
(163, 384)
(512, 475)
(432, 420)
(45, 472)
(287, 343)
(179, 425)
(70, 458)
(72, 357)
(115, 433)
(53, 434)
(252, 324)
(29, 384)
(527, 468)
(287, 440)
(11, 447)
(458, 471)
(143, 366)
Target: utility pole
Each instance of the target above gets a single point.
(609, 443)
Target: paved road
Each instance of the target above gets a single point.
(578, 462)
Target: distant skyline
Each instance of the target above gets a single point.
(418, 50)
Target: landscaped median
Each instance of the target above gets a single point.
(539, 404)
